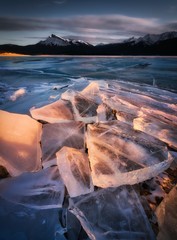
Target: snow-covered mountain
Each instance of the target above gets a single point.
(151, 44)
(150, 39)
(54, 40)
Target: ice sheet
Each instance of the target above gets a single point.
(59, 111)
(105, 113)
(146, 90)
(120, 155)
(124, 110)
(140, 100)
(18, 222)
(72, 226)
(74, 168)
(127, 98)
(165, 130)
(92, 91)
(19, 139)
(57, 135)
(84, 107)
(41, 190)
(112, 214)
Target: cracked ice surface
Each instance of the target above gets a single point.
(125, 111)
(130, 101)
(18, 222)
(120, 155)
(19, 139)
(40, 190)
(114, 87)
(59, 111)
(57, 135)
(163, 130)
(84, 107)
(112, 214)
(74, 168)
(127, 99)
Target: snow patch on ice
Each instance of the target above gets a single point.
(19, 93)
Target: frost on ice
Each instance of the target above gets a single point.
(40, 190)
(19, 139)
(120, 155)
(74, 168)
(112, 214)
(19, 93)
(57, 135)
(59, 111)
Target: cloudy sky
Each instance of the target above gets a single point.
(96, 21)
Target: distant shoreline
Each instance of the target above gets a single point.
(10, 54)
(6, 54)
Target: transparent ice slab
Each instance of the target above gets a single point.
(143, 89)
(92, 91)
(124, 110)
(120, 155)
(40, 190)
(166, 214)
(112, 214)
(59, 111)
(73, 165)
(128, 98)
(104, 113)
(72, 226)
(18, 222)
(163, 130)
(84, 107)
(19, 139)
(140, 100)
(57, 135)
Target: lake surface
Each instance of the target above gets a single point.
(35, 81)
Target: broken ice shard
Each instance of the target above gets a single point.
(124, 110)
(104, 113)
(74, 168)
(154, 93)
(127, 98)
(57, 135)
(167, 216)
(59, 111)
(40, 190)
(112, 214)
(163, 130)
(74, 230)
(84, 108)
(92, 91)
(19, 138)
(120, 155)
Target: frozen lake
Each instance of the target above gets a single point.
(35, 81)
(107, 125)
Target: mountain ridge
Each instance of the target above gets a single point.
(60, 41)
(151, 44)
(153, 38)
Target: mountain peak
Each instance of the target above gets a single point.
(54, 40)
(154, 38)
